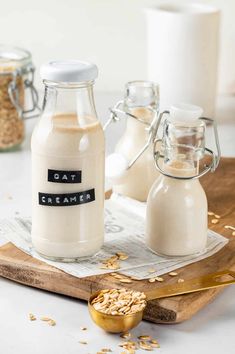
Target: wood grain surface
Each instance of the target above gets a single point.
(220, 190)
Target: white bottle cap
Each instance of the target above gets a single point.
(115, 167)
(182, 112)
(69, 71)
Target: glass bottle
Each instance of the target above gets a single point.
(16, 82)
(68, 165)
(176, 223)
(140, 105)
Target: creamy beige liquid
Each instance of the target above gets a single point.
(68, 143)
(139, 178)
(176, 221)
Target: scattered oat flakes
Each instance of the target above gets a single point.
(229, 227)
(113, 261)
(122, 256)
(144, 337)
(117, 275)
(214, 221)
(130, 346)
(32, 317)
(46, 319)
(110, 263)
(125, 280)
(135, 278)
(52, 323)
(217, 216)
(123, 344)
(233, 233)
(146, 346)
(49, 320)
(154, 344)
(152, 280)
(153, 341)
(125, 335)
(173, 274)
(159, 279)
(82, 342)
(180, 280)
(210, 213)
(106, 350)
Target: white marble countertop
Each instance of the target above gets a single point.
(211, 330)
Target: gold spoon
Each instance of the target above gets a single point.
(123, 323)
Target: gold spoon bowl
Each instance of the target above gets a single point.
(114, 323)
(123, 323)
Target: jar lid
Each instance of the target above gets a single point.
(12, 58)
(184, 112)
(69, 71)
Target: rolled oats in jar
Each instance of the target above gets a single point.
(16, 77)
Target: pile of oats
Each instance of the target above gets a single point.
(119, 301)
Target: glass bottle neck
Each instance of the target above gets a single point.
(183, 147)
(69, 99)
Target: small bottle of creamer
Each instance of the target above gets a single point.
(176, 222)
(140, 106)
(68, 165)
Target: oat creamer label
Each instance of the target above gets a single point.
(59, 176)
(66, 199)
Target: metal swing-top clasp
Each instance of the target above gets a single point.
(115, 114)
(14, 94)
(207, 152)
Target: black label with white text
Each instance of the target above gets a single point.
(66, 199)
(58, 176)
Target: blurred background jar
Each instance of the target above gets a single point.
(131, 170)
(18, 96)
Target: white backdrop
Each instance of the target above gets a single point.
(109, 32)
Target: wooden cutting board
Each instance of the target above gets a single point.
(220, 189)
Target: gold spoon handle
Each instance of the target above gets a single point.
(204, 282)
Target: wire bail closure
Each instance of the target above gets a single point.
(13, 92)
(211, 167)
(150, 128)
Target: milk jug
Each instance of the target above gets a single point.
(68, 165)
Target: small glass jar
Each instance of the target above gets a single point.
(68, 165)
(16, 76)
